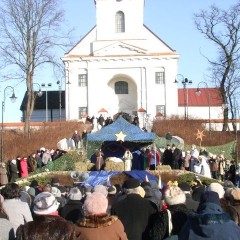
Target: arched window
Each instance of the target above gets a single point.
(121, 87)
(120, 22)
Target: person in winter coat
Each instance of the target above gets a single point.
(134, 211)
(23, 168)
(210, 221)
(168, 222)
(72, 211)
(97, 224)
(17, 211)
(153, 158)
(14, 171)
(3, 174)
(47, 224)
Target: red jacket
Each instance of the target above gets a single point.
(23, 168)
(149, 156)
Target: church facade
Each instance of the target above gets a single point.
(120, 65)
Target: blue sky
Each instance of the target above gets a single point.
(171, 20)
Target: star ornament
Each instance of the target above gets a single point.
(200, 135)
(120, 136)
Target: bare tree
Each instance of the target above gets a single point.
(222, 27)
(29, 31)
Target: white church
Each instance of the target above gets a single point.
(120, 65)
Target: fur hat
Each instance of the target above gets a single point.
(174, 195)
(56, 192)
(102, 189)
(216, 187)
(75, 194)
(45, 203)
(209, 197)
(131, 183)
(95, 204)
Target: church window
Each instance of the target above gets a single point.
(121, 87)
(160, 109)
(159, 78)
(81, 112)
(82, 80)
(120, 22)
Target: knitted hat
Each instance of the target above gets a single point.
(209, 197)
(174, 195)
(102, 189)
(216, 187)
(75, 194)
(56, 192)
(45, 203)
(131, 183)
(95, 203)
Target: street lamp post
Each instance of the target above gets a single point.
(39, 93)
(198, 92)
(13, 99)
(49, 85)
(185, 82)
(60, 100)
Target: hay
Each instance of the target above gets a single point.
(113, 166)
(83, 166)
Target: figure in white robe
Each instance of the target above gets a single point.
(127, 158)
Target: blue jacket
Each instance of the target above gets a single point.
(210, 222)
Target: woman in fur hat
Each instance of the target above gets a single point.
(168, 222)
(97, 222)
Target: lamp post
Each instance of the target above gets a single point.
(39, 93)
(198, 92)
(13, 99)
(59, 83)
(185, 82)
(49, 85)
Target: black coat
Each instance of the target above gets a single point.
(46, 227)
(134, 212)
(72, 211)
(159, 222)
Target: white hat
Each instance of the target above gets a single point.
(14, 161)
(42, 149)
(218, 188)
(56, 192)
(45, 203)
(174, 195)
(75, 194)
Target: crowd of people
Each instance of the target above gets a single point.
(22, 166)
(134, 210)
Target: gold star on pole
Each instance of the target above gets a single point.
(120, 136)
(200, 135)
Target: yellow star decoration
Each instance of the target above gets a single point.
(200, 135)
(120, 136)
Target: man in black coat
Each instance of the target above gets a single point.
(167, 156)
(134, 211)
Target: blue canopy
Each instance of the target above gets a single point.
(121, 129)
(100, 177)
